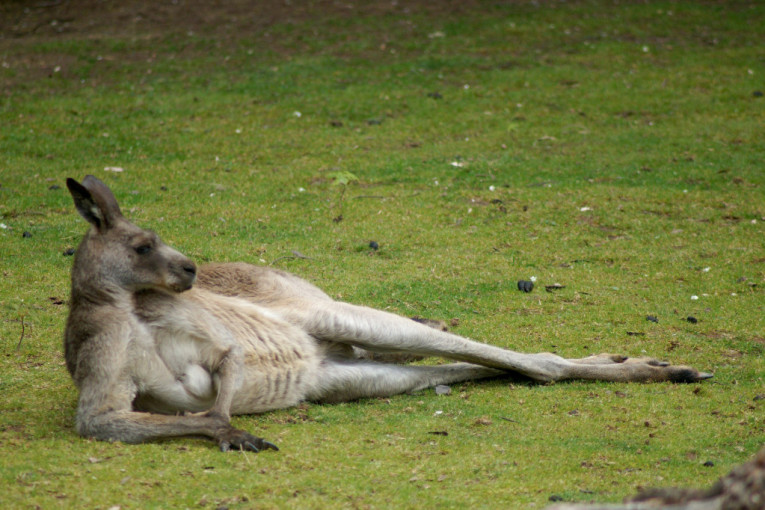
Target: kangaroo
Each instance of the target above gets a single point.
(160, 348)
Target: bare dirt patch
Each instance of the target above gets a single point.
(57, 39)
(226, 18)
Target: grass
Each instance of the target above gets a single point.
(614, 149)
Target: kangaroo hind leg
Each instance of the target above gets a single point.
(346, 380)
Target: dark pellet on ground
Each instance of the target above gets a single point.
(525, 286)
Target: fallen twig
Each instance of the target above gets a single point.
(295, 255)
(18, 346)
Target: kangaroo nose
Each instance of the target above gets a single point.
(190, 268)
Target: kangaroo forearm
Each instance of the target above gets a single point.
(137, 427)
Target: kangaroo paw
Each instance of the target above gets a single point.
(687, 374)
(235, 439)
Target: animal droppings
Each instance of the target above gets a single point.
(525, 285)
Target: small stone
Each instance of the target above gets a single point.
(374, 245)
(443, 389)
(692, 319)
(26, 234)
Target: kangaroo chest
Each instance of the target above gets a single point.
(179, 344)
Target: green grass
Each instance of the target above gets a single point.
(614, 149)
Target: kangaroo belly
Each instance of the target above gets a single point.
(280, 360)
(191, 389)
(170, 372)
(179, 354)
(275, 387)
(281, 363)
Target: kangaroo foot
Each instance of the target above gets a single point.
(235, 439)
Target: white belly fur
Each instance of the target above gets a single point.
(177, 363)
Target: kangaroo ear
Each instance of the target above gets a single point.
(95, 202)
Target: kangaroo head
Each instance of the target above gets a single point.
(116, 255)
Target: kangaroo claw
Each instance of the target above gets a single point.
(687, 375)
(271, 446)
(235, 439)
(258, 446)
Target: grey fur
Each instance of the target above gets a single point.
(160, 349)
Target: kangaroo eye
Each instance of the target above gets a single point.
(143, 249)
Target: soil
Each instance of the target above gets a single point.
(35, 35)
(227, 19)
